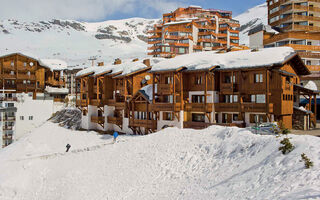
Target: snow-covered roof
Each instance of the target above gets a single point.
(53, 64)
(118, 70)
(54, 90)
(147, 91)
(231, 60)
(311, 86)
(194, 6)
(302, 109)
(179, 22)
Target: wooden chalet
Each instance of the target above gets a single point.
(23, 73)
(106, 90)
(194, 91)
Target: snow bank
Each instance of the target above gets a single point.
(237, 59)
(216, 163)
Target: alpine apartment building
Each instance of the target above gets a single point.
(193, 29)
(196, 91)
(293, 23)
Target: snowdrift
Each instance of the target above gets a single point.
(216, 163)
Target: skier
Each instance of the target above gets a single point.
(115, 135)
(68, 147)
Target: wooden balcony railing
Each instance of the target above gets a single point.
(82, 103)
(314, 67)
(304, 47)
(166, 107)
(26, 76)
(229, 87)
(309, 55)
(97, 102)
(151, 124)
(120, 105)
(199, 107)
(7, 128)
(115, 120)
(9, 76)
(256, 107)
(8, 98)
(164, 89)
(227, 107)
(9, 118)
(97, 119)
(203, 125)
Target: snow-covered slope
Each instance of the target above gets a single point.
(216, 163)
(75, 41)
(253, 17)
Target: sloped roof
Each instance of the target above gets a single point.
(226, 61)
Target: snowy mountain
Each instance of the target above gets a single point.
(215, 163)
(251, 18)
(75, 41)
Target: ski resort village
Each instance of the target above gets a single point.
(201, 102)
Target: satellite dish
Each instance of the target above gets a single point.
(147, 77)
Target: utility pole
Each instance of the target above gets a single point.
(92, 59)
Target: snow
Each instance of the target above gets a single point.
(250, 19)
(147, 90)
(237, 59)
(311, 86)
(48, 40)
(54, 90)
(54, 64)
(179, 22)
(215, 163)
(302, 109)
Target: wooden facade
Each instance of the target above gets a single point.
(20, 73)
(208, 30)
(193, 98)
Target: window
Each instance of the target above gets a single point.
(12, 64)
(259, 98)
(168, 80)
(198, 117)
(258, 78)
(24, 64)
(30, 117)
(235, 117)
(197, 98)
(168, 99)
(167, 116)
(166, 49)
(10, 105)
(198, 80)
(258, 118)
(11, 72)
(21, 117)
(182, 50)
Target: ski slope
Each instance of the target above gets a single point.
(216, 163)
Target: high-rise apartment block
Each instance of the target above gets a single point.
(193, 29)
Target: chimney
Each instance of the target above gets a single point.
(117, 61)
(147, 62)
(135, 60)
(100, 64)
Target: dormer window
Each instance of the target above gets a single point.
(198, 80)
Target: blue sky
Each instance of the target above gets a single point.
(100, 10)
(236, 6)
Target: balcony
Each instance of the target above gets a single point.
(120, 105)
(26, 76)
(9, 118)
(227, 107)
(229, 87)
(97, 102)
(24, 87)
(314, 67)
(8, 98)
(304, 47)
(7, 137)
(166, 107)
(302, 28)
(97, 119)
(9, 76)
(309, 55)
(256, 107)
(7, 128)
(198, 107)
(164, 89)
(149, 124)
(82, 103)
(115, 120)
(154, 42)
